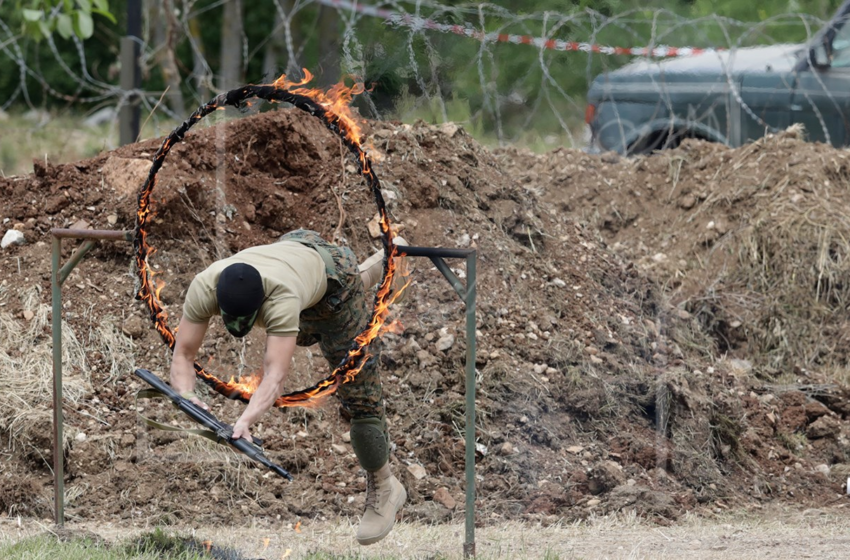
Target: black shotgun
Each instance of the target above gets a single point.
(222, 431)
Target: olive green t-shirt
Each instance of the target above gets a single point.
(294, 278)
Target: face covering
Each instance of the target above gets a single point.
(239, 326)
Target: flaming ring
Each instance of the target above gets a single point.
(148, 292)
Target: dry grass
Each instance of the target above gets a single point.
(731, 536)
(118, 350)
(797, 266)
(777, 286)
(26, 368)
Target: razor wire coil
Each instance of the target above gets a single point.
(538, 95)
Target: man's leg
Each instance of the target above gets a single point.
(370, 440)
(335, 321)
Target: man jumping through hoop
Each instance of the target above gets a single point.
(301, 290)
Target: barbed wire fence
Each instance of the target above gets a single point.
(508, 76)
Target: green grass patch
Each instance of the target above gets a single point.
(157, 545)
(152, 546)
(58, 139)
(162, 545)
(540, 133)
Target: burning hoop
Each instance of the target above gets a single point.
(332, 107)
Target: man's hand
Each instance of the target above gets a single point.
(240, 430)
(195, 399)
(279, 351)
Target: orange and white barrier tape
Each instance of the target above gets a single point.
(419, 23)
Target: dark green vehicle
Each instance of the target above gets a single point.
(731, 97)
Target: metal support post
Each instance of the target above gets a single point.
(469, 543)
(58, 448)
(57, 278)
(467, 294)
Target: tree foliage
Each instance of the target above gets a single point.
(41, 18)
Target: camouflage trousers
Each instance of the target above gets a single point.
(339, 317)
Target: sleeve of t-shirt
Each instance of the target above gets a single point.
(281, 315)
(200, 304)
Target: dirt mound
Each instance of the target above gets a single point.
(596, 394)
(753, 241)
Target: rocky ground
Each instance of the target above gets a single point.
(660, 334)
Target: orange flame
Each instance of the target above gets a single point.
(266, 542)
(207, 545)
(373, 151)
(298, 527)
(158, 290)
(246, 383)
(336, 100)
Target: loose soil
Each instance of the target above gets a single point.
(656, 335)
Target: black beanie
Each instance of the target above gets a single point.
(240, 290)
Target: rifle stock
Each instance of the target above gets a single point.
(222, 430)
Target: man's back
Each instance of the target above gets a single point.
(293, 279)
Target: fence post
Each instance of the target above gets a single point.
(471, 289)
(58, 421)
(131, 74)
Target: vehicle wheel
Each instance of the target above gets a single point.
(660, 140)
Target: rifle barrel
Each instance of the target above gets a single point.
(208, 420)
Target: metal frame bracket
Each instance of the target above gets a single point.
(58, 276)
(467, 294)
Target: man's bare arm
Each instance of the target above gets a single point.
(189, 338)
(279, 352)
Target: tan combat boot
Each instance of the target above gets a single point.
(384, 497)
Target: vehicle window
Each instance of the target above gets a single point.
(841, 47)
